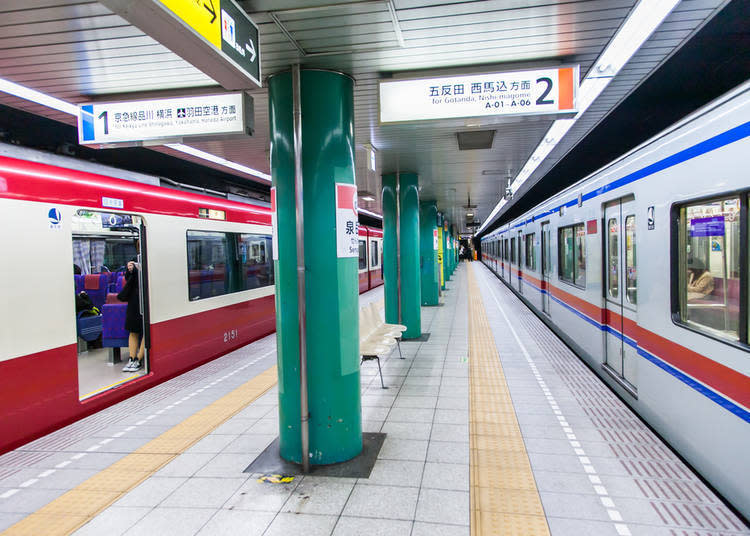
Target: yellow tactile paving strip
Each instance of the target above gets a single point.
(78, 506)
(504, 496)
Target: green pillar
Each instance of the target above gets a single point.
(331, 293)
(411, 293)
(454, 251)
(446, 248)
(428, 252)
(442, 250)
(390, 250)
(406, 211)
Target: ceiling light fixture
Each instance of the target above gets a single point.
(637, 28)
(373, 214)
(36, 96)
(218, 160)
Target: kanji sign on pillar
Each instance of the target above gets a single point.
(347, 221)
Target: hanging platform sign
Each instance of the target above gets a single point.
(347, 221)
(216, 36)
(531, 92)
(133, 123)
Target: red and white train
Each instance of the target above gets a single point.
(370, 258)
(207, 285)
(642, 268)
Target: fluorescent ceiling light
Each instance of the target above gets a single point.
(640, 24)
(217, 160)
(373, 214)
(35, 96)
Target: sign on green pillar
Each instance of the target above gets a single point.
(331, 266)
(428, 247)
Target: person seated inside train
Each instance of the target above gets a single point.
(700, 282)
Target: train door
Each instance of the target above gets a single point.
(519, 243)
(621, 290)
(375, 262)
(501, 243)
(112, 313)
(546, 267)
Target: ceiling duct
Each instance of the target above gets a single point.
(475, 139)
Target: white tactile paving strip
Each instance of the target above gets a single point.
(599, 469)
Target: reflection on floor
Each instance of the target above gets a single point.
(96, 374)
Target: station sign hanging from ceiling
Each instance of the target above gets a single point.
(159, 121)
(216, 36)
(528, 92)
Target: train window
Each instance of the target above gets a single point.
(374, 253)
(571, 254)
(256, 264)
(709, 266)
(506, 249)
(207, 264)
(631, 276)
(513, 250)
(613, 257)
(530, 252)
(362, 255)
(222, 263)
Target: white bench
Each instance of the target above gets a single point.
(376, 337)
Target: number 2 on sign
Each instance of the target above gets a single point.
(230, 335)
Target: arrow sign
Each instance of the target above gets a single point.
(211, 10)
(216, 36)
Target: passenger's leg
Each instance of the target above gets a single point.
(133, 344)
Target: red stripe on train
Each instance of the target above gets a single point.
(43, 183)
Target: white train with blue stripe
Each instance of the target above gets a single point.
(642, 268)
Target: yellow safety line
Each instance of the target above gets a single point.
(110, 386)
(78, 506)
(504, 496)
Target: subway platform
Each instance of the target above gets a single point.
(493, 426)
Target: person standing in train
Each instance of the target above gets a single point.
(133, 318)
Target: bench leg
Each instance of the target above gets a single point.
(398, 343)
(381, 373)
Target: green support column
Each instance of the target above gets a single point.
(390, 251)
(454, 256)
(428, 252)
(406, 212)
(446, 248)
(441, 246)
(331, 294)
(411, 293)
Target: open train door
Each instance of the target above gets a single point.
(103, 245)
(620, 292)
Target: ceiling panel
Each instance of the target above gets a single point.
(78, 50)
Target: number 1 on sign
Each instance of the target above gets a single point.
(103, 115)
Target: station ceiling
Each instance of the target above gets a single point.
(79, 51)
